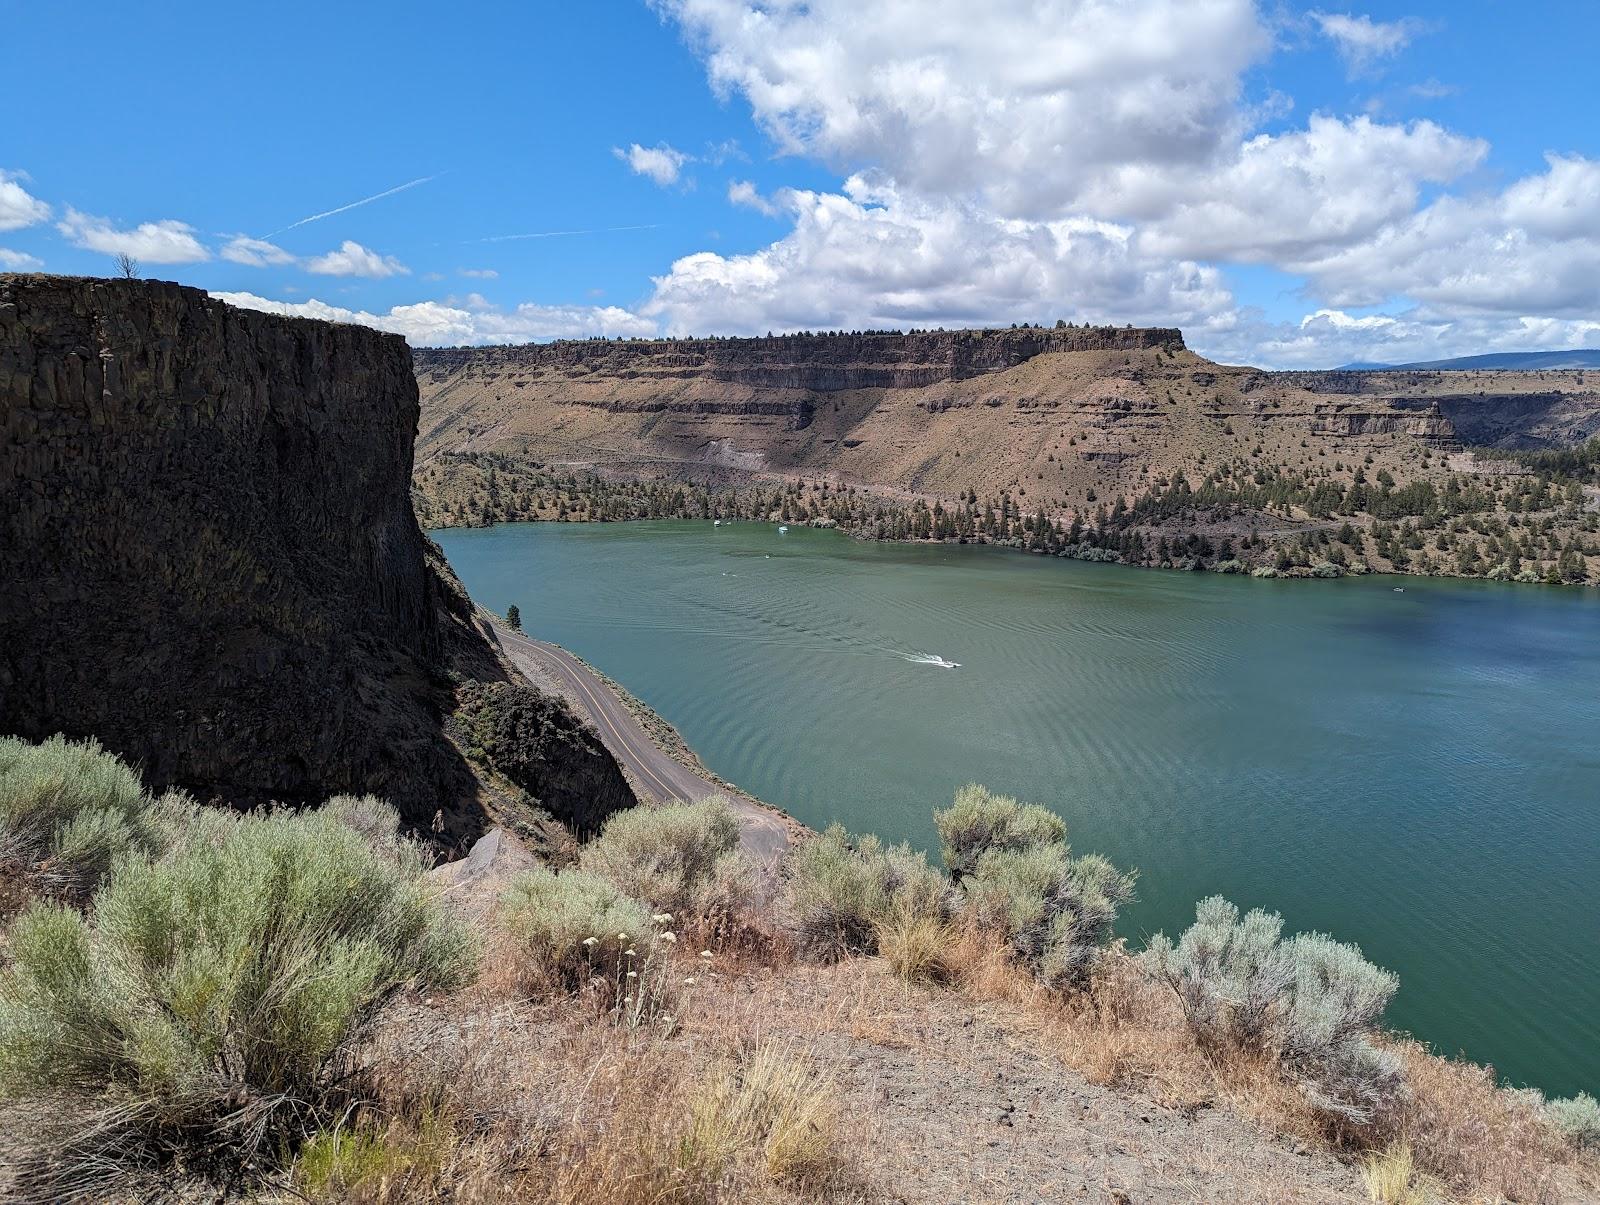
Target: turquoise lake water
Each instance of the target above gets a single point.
(1416, 772)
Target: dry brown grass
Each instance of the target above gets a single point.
(1481, 1141)
(517, 1090)
(916, 947)
(1478, 1141)
(1391, 1177)
(537, 1101)
(490, 1098)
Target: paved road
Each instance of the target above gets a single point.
(765, 836)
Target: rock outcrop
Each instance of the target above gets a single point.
(1060, 417)
(821, 363)
(210, 558)
(538, 743)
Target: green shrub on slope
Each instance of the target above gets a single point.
(681, 859)
(211, 1001)
(571, 926)
(1020, 880)
(67, 808)
(1576, 1119)
(1056, 911)
(1311, 1001)
(979, 821)
(840, 889)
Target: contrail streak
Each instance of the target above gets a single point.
(506, 238)
(317, 217)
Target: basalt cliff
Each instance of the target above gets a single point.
(1104, 442)
(212, 564)
(1059, 412)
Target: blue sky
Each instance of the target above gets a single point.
(1293, 184)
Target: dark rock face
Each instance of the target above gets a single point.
(536, 742)
(209, 554)
(815, 363)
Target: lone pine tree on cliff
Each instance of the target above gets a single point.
(514, 618)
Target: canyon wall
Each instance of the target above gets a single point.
(210, 557)
(823, 363)
(1062, 417)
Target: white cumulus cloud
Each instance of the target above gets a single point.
(1029, 103)
(255, 252)
(443, 324)
(19, 208)
(873, 257)
(1330, 337)
(1098, 159)
(1284, 198)
(743, 192)
(19, 261)
(662, 163)
(1531, 249)
(352, 259)
(1361, 41)
(164, 242)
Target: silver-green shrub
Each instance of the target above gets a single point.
(681, 858)
(1019, 879)
(1576, 1119)
(67, 808)
(214, 997)
(571, 925)
(1311, 1001)
(370, 817)
(1056, 911)
(839, 889)
(980, 821)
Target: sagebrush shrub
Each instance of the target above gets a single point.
(681, 858)
(1576, 1119)
(370, 817)
(1056, 911)
(68, 808)
(214, 996)
(980, 821)
(838, 890)
(1311, 1001)
(571, 925)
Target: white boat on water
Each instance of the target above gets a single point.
(783, 529)
(716, 522)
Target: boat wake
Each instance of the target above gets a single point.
(930, 659)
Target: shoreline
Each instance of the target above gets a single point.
(1295, 574)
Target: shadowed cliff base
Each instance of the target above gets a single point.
(212, 560)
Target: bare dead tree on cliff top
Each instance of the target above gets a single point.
(127, 266)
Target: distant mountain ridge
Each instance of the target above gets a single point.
(1581, 357)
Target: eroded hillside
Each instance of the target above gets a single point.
(1055, 413)
(1117, 442)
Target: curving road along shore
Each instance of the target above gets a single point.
(765, 834)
